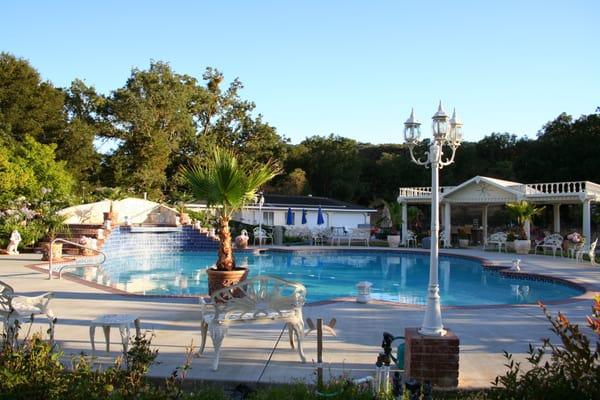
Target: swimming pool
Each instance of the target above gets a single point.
(396, 276)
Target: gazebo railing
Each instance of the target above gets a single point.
(561, 188)
(422, 191)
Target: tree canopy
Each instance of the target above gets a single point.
(160, 120)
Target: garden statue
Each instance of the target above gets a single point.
(516, 265)
(91, 246)
(241, 241)
(13, 244)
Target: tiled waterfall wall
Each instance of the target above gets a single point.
(123, 242)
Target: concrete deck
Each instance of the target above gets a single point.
(256, 353)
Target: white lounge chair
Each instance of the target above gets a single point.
(498, 239)
(552, 242)
(590, 252)
(23, 309)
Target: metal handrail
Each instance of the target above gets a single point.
(50, 269)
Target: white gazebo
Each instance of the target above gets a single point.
(484, 191)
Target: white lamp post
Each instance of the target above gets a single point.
(261, 201)
(445, 133)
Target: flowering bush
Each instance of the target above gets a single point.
(575, 237)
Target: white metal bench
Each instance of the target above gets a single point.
(263, 299)
(498, 239)
(553, 242)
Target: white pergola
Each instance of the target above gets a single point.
(484, 191)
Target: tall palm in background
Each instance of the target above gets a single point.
(222, 181)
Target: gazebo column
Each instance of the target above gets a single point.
(556, 218)
(484, 219)
(404, 222)
(527, 226)
(587, 224)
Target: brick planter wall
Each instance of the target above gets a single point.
(431, 358)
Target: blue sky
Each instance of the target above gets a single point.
(353, 68)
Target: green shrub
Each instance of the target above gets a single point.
(570, 370)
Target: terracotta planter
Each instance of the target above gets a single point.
(393, 240)
(56, 251)
(221, 279)
(522, 246)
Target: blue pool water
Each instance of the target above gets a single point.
(398, 277)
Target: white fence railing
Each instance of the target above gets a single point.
(560, 188)
(423, 191)
(531, 189)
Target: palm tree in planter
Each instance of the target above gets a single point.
(523, 212)
(227, 185)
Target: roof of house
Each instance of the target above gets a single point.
(310, 202)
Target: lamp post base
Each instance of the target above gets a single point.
(432, 332)
(432, 323)
(431, 358)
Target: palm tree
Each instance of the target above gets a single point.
(223, 182)
(523, 211)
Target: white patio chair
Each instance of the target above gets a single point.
(445, 239)
(23, 309)
(575, 248)
(590, 252)
(410, 238)
(262, 236)
(552, 242)
(498, 239)
(338, 233)
(316, 236)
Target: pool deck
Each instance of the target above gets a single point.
(255, 354)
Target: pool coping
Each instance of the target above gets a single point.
(588, 290)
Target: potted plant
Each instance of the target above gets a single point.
(184, 217)
(523, 212)
(391, 221)
(113, 194)
(463, 239)
(55, 224)
(223, 182)
(510, 241)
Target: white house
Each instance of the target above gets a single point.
(275, 207)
